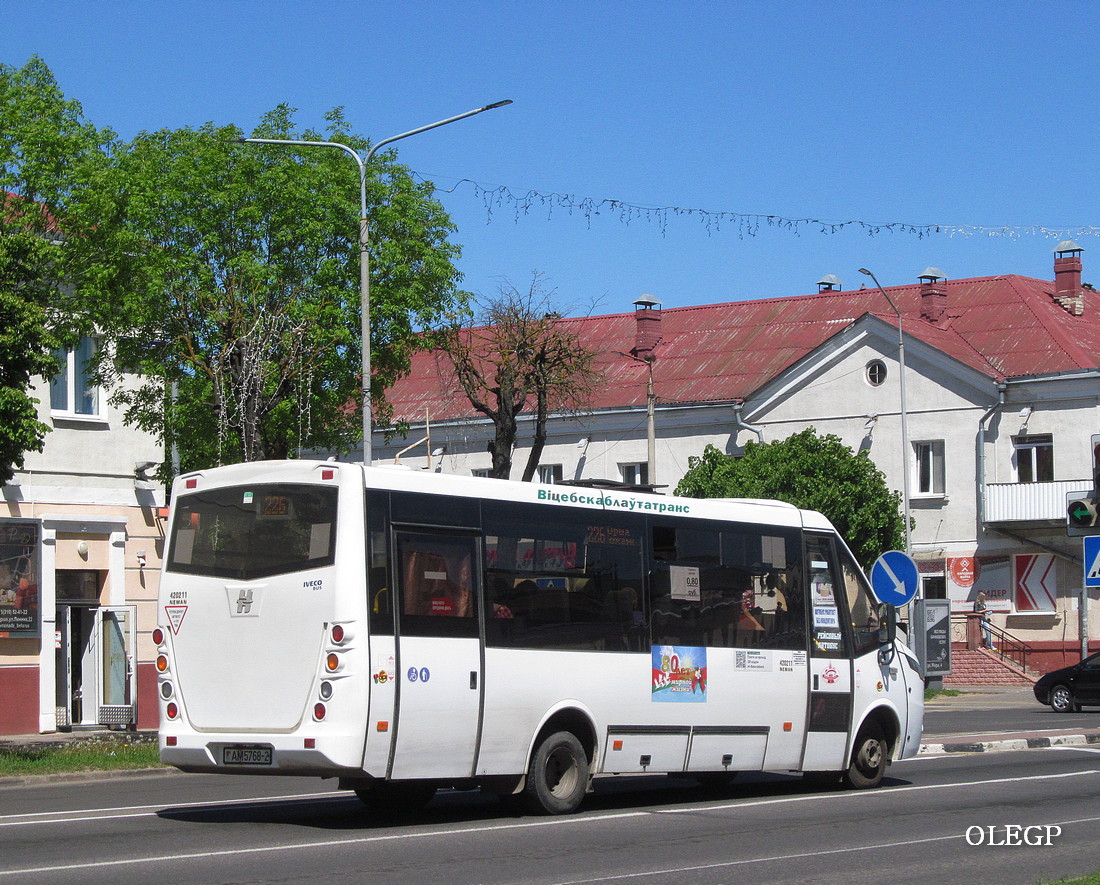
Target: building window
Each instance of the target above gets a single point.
(929, 467)
(482, 472)
(72, 390)
(550, 473)
(1034, 458)
(876, 372)
(635, 474)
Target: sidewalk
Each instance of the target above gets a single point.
(1000, 741)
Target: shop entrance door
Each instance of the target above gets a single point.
(95, 673)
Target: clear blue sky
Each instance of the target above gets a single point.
(956, 113)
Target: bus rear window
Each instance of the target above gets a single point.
(248, 532)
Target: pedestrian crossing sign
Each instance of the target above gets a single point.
(1092, 560)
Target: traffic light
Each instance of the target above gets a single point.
(1096, 466)
(1081, 513)
(1083, 508)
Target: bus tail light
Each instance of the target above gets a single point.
(162, 664)
(158, 636)
(338, 634)
(326, 690)
(172, 711)
(319, 712)
(332, 662)
(167, 690)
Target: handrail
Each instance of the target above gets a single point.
(1006, 646)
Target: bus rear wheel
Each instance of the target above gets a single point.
(558, 778)
(869, 758)
(396, 797)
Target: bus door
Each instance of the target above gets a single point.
(830, 709)
(439, 654)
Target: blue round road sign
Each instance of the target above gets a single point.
(894, 578)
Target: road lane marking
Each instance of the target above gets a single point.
(530, 824)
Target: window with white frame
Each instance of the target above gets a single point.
(550, 473)
(929, 468)
(73, 392)
(482, 472)
(1033, 457)
(636, 474)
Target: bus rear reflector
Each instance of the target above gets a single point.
(328, 474)
(192, 483)
(170, 740)
(310, 743)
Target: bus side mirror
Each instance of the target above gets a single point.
(888, 624)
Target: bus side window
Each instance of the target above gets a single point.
(379, 578)
(861, 606)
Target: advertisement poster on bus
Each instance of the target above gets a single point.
(679, 674)
(19, 579)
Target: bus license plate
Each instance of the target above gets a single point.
(246, 755)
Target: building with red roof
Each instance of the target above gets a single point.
(1002, 390)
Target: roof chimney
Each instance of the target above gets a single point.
(1067, 277)
(828, 283)
(647, 327)
(933, 295)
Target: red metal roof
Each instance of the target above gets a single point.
(1004, 326)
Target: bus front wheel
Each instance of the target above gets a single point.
(868, 758)
(558, 778)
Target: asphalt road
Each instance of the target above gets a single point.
(1000, 710)
(922, 826)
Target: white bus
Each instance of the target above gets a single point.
(405, 631)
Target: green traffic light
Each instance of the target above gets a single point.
(1081, 514)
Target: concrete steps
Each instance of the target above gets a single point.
(983, 667)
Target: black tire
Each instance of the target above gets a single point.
(1061, 699)
(396, 797)
(869, 757)
(558, 777)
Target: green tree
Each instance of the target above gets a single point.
(50, 157)
(813, 472)
(234, 285)
(515, 354)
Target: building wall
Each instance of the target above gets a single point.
(95, 516)
(831, 392)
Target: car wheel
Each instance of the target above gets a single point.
(1061, 699)
(868, 758)
(558, 778)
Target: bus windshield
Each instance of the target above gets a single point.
(248, 532)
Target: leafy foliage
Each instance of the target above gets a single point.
(46, 148)
(514, 354)
(236, 280)
(813, 472)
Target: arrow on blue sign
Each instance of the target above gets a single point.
(894, 578)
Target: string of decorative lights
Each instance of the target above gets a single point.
(498, 197)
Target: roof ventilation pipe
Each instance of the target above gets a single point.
(1067, 277)
(933, 295)
(829, 283)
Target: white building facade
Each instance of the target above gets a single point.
(81, 537)
(1001, 391)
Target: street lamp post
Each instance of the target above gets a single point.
(904, 414)
(364, 238)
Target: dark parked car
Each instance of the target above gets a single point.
(1071, 687)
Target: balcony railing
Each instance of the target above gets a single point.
(1029, 501)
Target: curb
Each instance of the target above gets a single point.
(1021, 743)
(62, 777)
